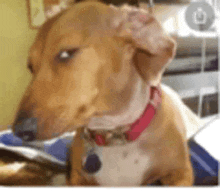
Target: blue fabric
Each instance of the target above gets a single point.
(57, 149)
(10, 140)
(204, 165)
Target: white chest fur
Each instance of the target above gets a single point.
(123, 165)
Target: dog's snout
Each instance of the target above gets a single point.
(21, 116)
(25, 127)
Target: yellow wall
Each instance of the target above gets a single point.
(16, 38)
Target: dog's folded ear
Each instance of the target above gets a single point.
(155, 48)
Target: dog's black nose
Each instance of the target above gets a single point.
(26, 128)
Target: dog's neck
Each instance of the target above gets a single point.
(140, 95)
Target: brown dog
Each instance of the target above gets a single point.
(95, 68)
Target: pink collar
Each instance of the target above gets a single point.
(139, 125)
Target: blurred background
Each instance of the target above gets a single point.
(16, 38)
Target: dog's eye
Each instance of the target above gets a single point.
(65, 55)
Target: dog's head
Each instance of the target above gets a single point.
(82, 63)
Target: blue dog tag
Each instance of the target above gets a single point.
(92, 163)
